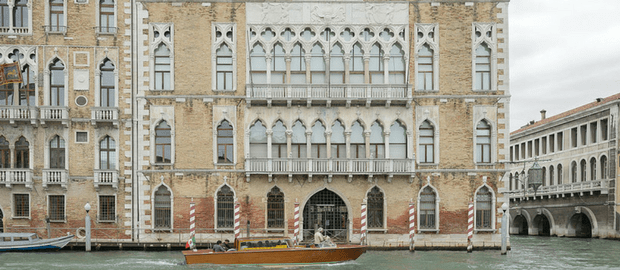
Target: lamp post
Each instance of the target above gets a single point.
(535, 177)
(87, 225)
(504, 228)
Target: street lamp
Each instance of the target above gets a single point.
(87, 225)
(535, 176)
(504, 228)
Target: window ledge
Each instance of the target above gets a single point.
(106, 221)
(220, 90)
(225, 230)
(162, 230)
(428, 230)
(161, 90)
(274, 230)
(161, 164)
(378, 230)
(57, 221)
(484, 230)
(20, 217)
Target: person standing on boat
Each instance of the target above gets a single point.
(319, 238)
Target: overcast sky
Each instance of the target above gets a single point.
(563, 54)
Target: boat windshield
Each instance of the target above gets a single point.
(264, 244)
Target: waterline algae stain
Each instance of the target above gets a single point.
(526, 253)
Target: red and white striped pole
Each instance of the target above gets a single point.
(296, 231)
(191, 243)
(237, 220)
(363, 240)
(411, 226)
(470, 227)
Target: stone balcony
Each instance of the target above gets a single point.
(104, 115)
(55, 177)
(581, 188)
(54, 114)
(106, 178)
(10, 177)
(328, 95)
(18, 113)
(329, 167)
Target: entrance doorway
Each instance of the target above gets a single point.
(325, 209)
(581, 226)
(520, 225)
(541, 223)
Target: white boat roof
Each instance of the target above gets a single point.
(16, 234)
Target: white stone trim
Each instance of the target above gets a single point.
(47, 80)
(228, 113)
(433, 43)
(430, 113)
(217, 190)
(385, 209)
(154, 42)
(437, 210)
(48, 15)
(171, 207)
(158, 114)
(216, 44)
(98, 82)
(493, 203)
(491, 42)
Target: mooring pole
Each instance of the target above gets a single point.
(87, 226)
(470, 227)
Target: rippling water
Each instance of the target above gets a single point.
(526, 253)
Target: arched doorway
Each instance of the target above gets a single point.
(520, 225)
(580, 226)
(542, 225)
(327, 210)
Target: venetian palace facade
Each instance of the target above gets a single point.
(140, 108)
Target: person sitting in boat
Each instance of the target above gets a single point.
(319, 238)
(218, 247)
(227, 246)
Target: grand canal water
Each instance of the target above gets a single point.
(526, 253)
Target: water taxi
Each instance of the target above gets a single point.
(256, 250)
(30, 241)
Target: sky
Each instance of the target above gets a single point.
(563, 54)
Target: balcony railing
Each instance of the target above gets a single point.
(324, 166)
(55, 29)
(106, 177)
(55, 177)
(104, 114)
(105, 30)
(10, 177)
(601, 186)
(18, 113)
(54, 113)
(332, 94)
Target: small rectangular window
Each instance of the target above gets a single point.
(552, 143)
(107, 208)
(21, 205)
(512, 153)
(593, 132)
(523, 150)
(543, 146)
(81, 136)
(560, 141)
(517, 152)
(604, 129)
(56, 208)
(584, 134)
(573, 137)
(529, 149)
(537, 147)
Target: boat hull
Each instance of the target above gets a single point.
(43, 244)
(277, 256)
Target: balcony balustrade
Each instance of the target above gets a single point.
(104, 114)
(54, 113)
(324, 94)
(55, 177)
(10, 177)
(329, 167)
(18, 113)
(601, 186)
(106, 177)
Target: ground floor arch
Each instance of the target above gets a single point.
(580, 226)
(541, 225)
(520, 225)
(327, 210)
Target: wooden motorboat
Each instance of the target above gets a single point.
(274, 251)
(30, 241)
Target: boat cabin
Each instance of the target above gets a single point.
(262, 243)
(17, 237)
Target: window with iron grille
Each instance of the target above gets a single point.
(375, 208)
(56, 206)
(225, 207)
(427, 209)
(21, 205)
(225, 143)
(483, 208)
(275, 208)
(163, 218)
(107, 208)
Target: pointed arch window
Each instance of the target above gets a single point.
(275, 208)
(278, 141)
(593, 169)
(484, 204)
(483, 68)
(258, 64)
(358, 143)
(375, 208)
(162, 67)
(573, 172)
(338, 141)
(5, 153)
(336, 65)
(375, 65)
(583, 167)
(225, 207)
(551, 175)
(57, 153)
(224, 73)
(424, 80)
(298, 65)
(22, 153)
(163, 209)
(278, 66)
(107, 154)
(604, 167)
(398, 141)
(163, 143)
(27, 88)
(107, 93)
(318, 142)
(7, 94)
(317, 65)
(544, 176)
(258, 140)
(377, 143)
(428, 211)
(483, 142)
(225, 143)
(397, 65)
(298, 140)
(426, 153)
(57, 83)
(107, 22)
(559, 169)
(356, 66)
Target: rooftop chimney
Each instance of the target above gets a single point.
(543, 114)
(599, 99)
